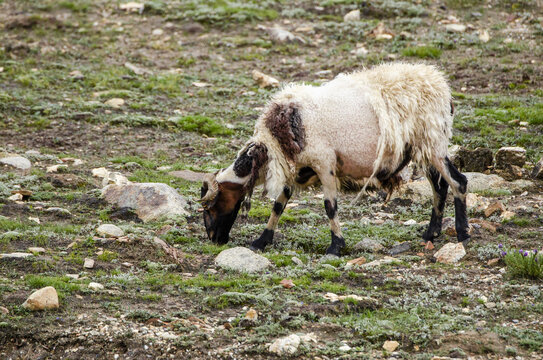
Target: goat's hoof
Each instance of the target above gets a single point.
(333, 250)
(465, 241)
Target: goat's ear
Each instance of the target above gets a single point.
(250, 161)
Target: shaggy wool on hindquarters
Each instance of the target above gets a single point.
(360, 123)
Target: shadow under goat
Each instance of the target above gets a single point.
(363, 128)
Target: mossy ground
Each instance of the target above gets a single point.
(192, 107)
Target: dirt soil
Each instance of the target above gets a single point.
(189, 102)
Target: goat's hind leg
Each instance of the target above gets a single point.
(329, 184)
(440, 188)
(278, 207)
(459, 187)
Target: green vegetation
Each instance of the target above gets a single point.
(423, 52)
(524, 263)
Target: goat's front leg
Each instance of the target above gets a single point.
(278, 207)
(330, 186)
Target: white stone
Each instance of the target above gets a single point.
(383, 261)
(89, 263)
(55, 168)
(263, 80)
(241, 259)
(73, 276)
(100, 172)
(16, 255)
(36, 250)
(450, 253)
(132, 6)
(16, 161)
(390, 346)
(484, 36)
(96, 286)
(16, 197)
(352, 16)
(286, 345)
(455, 28)
(150, 201)
(42, 299)
(344, 347)
(158, 32)
(281, 35)
(410, 222)
(115, 103)
(110, 230)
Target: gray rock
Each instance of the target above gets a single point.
(241, 259)
(150, 201)
(280, 35)
(188, 175)
(96, 286)
(89, 263)
(297, 261)
(375, 263)
(16, 161)
(458, 28)
(481, 182)
(510, 155)
(537, 173)
(477, 160)
(42, 299)
(368, 245)
(59, 211)
(15, 255)
(110, 230)
(400, 248)
(287, 345)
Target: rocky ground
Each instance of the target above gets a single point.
(97, 97)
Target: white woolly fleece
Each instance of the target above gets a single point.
(360, 123)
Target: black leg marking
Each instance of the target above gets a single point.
(440, 187)
(264, 239)
(461, 220)
(287, 191)
(338, 243)
(331, 210)
(278, 208)
(457, 176)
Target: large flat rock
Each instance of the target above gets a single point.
(150, 201)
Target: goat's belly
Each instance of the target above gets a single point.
(355, 167)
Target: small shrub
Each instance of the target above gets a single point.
(523, 263)
(202, 125)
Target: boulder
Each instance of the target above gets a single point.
(510, 155)
(150, 201)
(241, 259)
(450, 253)
(477, 160)
(42, 299)
(15, 161)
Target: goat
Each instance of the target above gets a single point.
(364, 126)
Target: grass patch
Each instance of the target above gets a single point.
(524, 263)
(62, 284)
(423, 52)
(201, 124)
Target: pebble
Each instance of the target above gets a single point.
(459, 28)
(115, 103)
(89, 263)
(251, 314)
(297, 261)
(410, 222)
(96, 286)
(390, 346)
(263, 80)
(110, 230)
(36, 250)
(55, 168)
(4, 310)
(353, 15)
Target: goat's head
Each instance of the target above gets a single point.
(223, 192)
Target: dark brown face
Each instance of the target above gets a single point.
(220, 213)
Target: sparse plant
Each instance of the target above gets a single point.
(523, 263)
